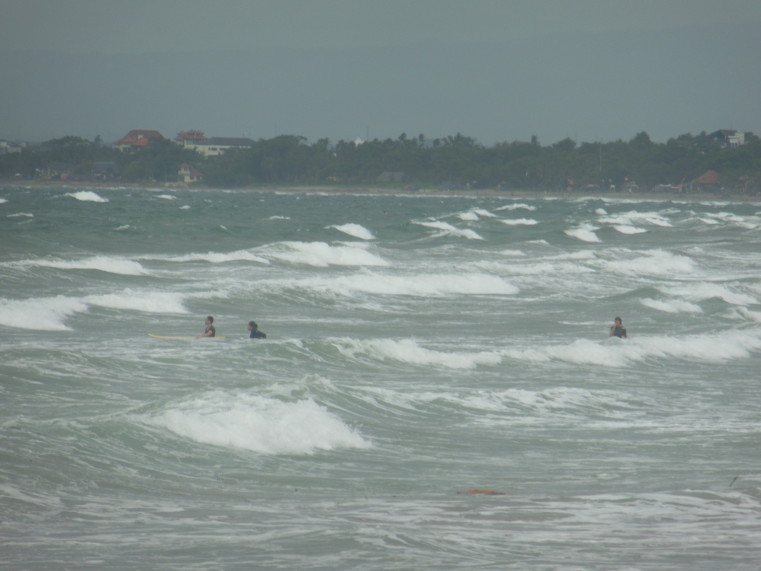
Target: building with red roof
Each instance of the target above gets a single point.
(137, 139)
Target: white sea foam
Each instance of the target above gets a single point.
(45, 314)
(672, 305)
(447, 229)
(416, 285)
(715, 348)
(21, 215)
(87, 196)
(747, 223)
(214, 257)
(469, 216)
(707, 290)
(483, 213)
(626, 229)
(584, 232)
(3, 200)
(513, 253)
(409, 351)
(519, 222)
(355, 230)
(654, 262)
(633, 217)
(746, 313)
(321, 254)
(108, 264)
(148, 302)
(166, 196)
(260, 424)
(185, 207)
(517, 206)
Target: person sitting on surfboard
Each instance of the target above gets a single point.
(255, 333)
(209, 331)
(618, 329)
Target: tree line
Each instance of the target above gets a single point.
(453, 162)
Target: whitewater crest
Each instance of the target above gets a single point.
(258, 423)
(355, 231)
(87, 196)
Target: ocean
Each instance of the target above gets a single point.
(437, 390)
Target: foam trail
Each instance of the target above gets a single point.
(408, 351)
(355, 231)
(716, 348)
(655, 262)
(703, 291)
(214, 257)
(320, 254)
(626, 229)
(671, 306)
(418, 285)
(148, 302)
(113, 265)
(448, 229)
(634, 217)
(259, 424)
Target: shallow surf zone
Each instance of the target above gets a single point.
(421, 351)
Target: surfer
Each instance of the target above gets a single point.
(209, 331)
(255, 333)
(618, 329)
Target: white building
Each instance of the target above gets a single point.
(217, 145)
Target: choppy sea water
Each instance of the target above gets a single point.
(419, 348)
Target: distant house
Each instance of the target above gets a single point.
(6, 147)
(215, 146)
(728, 137)
(105, 170)
(707, 182)
(188, 174)
(55, 170)
(137, 139)
(192, 135)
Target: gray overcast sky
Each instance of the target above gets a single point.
(585, 49)
(109, 26)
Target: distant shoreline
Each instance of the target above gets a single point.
(376, 190)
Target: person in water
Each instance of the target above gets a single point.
(618, 329)
(255, 333)
(209, 331)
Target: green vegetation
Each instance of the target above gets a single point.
(455, 162)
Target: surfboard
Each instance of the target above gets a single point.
(182, 338)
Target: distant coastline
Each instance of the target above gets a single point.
(374, 189)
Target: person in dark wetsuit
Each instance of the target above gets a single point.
(210, 331)
(255, 333)
(618, 329)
